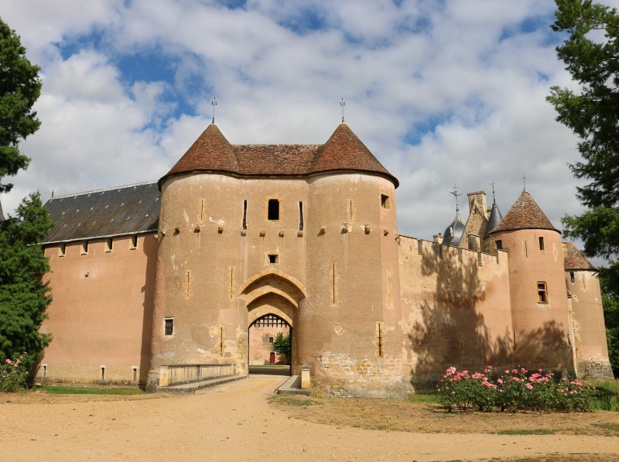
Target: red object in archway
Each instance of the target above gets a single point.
(272, 358)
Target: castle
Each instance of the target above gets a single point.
(160, 283)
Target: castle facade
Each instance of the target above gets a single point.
(161, 283)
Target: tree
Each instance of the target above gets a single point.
(23, 298)
(20, 87)
(591, 55)
(281, 345)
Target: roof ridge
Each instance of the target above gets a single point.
(112, 188)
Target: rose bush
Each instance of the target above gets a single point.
(13, 374)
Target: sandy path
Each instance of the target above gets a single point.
(235, 423)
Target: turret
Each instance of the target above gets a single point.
(588, 316)
(539, 303)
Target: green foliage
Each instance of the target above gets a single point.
(281, 345)
(591, 55)
(20, 86)
(23, 298)
(514, 390)
(610, 300)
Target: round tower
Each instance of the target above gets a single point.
(583, 287)
(540, 314)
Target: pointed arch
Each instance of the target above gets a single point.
(274, 280)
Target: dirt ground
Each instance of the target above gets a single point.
(238, 422)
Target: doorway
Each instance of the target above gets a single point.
(270, 346)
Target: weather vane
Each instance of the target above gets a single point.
(456, 194)
(213, 103)
(343, 105)
(493, 199)
(524, 182)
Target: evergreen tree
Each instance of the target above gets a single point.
(20, 86)
(591, 55)
(282, 345)
(23, 298)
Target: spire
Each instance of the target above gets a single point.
(495, 215)
(524, 214)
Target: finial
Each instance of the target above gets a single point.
(52, 193)
(343, 105)
(524, 182)
(456, 194)
(213, 103)
(493, 198)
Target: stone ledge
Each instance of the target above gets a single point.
(186, 388)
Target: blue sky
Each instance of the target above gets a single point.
(442, 92)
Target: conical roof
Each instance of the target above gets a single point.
(342, 152)
(453, 233)
(574, 260)
(495, 218)
(211, 151)
(524, 214)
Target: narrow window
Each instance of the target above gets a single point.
(134, 242)
(103, 373)
(62, 250)
(333, 284)
(108, 244)
(542, 292)
(84, 247)
(135, 374)
(221, 340)
(44, 370)
(499, 245)
(541, 243)
(168, 326)
(273, 258)
(273, 209)
(300, 216)
(245, 214)
(385, 201)
(271, 339)
(572, 278)
(379, 339)
(526, 249)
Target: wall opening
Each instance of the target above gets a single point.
(245, 214)
(542, 292)
(134, 242)
(168, 327)
(273, 210)
(273, 258)
(385, 201)
(300, 216)
(84, 247)
(109, 243)
(263, 358)
(541, 243)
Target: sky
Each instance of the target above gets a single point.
(443, 92)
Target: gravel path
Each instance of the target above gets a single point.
(234, 422)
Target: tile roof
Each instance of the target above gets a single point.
(124, 210)
(342, 152)
(524, 214)
(574, 260)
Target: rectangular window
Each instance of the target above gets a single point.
(385, 201)
(134, 242)
(273, 210)
(499, 245)
(168, 326)
(273, 258)
(84, 247)
(541, 243)
(542, 292)
(572, 278)
(108, 244)
(271, 339)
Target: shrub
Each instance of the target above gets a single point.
(513, 390)
(13, 374)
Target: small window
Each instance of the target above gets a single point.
(385, 201)
(245, 214)
(541, 243)
(271, 339)
(542, 292)
(134, 242)
(108, 244)
(62, 250)
(84, 247)
(499, 245)
(273, 209)
(300, 216)
(273, 258)
(168, 326)
(572, 278)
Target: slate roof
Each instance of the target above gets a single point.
(524, 214)
(574, 260)
(109, 212)
(342, 152)
(495, 218)
(453, 233)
